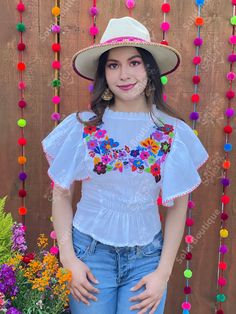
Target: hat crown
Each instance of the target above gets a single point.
(125, 27)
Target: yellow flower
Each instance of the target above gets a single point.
(42, 241)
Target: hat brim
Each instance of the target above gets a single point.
(85, 61)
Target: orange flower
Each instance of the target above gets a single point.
(150, 145)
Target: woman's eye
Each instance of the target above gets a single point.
(113, 65)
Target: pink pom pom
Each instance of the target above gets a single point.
(130, 4)
(56, 64)
(53, 235)
(189, 239)
(56, 28)
(21, 85)
(20, 7)
(231, 76)
(222, 281)
(93, 30)
(165, 26)
(93, 11)
(198, 41)
(191, 204)
(56, 116)
(54, 250)
(232, 39)
(164, 97)
(229, 112)
(56, 99)
(197, 60)
(186, 306)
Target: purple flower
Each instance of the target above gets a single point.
(13, 310)
(8, 280)
(18, 238)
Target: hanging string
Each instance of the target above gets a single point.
(225, 182)
(21, 67)
(194, 116)
(56, 84)
(94, 31)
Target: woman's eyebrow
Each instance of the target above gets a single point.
(128, 59)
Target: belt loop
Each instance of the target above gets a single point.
(93, 246)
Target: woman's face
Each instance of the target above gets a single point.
(124, 67)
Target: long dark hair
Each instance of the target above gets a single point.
(98, 105)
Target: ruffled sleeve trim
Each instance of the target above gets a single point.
(179, 173)
(65, 152)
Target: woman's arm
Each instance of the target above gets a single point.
(173, 234)
(62, 215)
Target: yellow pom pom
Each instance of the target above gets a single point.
(196, 132)
(56, 11)
(224, 233)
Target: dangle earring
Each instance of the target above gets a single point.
(149, 88)
(107, 94)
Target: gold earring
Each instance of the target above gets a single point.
(107, 94)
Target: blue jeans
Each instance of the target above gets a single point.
(117, 269)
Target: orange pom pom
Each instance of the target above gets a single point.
(199, 21)
(21, 160)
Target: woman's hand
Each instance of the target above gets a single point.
(151, 297)
(79, 285)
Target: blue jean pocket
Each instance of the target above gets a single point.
(153, 248)
(81, 246)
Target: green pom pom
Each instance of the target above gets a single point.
(220, 298)
(20, 27)
(188, 273)
(164, 80)
(233, 20)
(56, 83)
(21, 123)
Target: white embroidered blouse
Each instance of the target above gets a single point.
(123, 164)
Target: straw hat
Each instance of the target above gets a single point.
(120, 32)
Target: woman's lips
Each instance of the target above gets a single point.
(127, 87)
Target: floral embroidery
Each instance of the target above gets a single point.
(147, 156)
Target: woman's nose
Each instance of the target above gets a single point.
(124, 72)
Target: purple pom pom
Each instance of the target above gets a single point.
(229, 112)
(223, 249)
(55, 116)
(198, 41)
(93, 11)
(22, 176)
(232, 58)
(225, 181)
(193, 115)
(56, 28)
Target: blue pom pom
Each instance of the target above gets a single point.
(227, 147)
(200, 2)
(185, 311)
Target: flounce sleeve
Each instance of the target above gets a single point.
(179, 173)
(65, 152)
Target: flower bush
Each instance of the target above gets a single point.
(32, 282)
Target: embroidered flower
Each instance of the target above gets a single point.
(92, 144)
(100, 168)
(100, 133)
(158, 136)
(144, 155)
(89, 129)
(165, 147)
(167, 128)
(147, 156)
(106, 159)
(150, 145)
(107, 145)
(151, 159)
(137, 163)
(134, 152)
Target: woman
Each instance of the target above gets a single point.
(130, 147)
